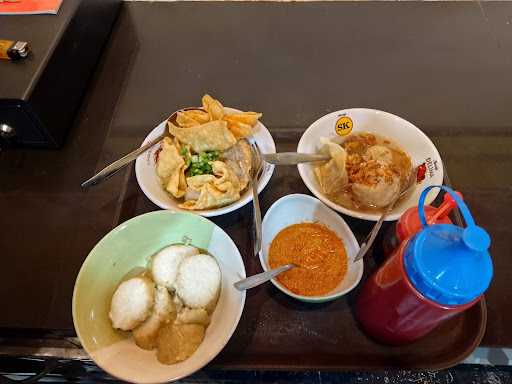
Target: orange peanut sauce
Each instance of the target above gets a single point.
(318, 252)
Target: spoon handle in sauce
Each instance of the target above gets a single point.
(261, 278)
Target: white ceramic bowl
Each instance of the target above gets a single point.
(145, 171)
(127, 247)
(406, 135)
(299, 208)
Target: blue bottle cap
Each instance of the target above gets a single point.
(449, 264)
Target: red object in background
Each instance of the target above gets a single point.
(392, 311)
(30, 7)
(409, 223)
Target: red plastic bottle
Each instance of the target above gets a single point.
(409, 223)
(393, 311)
(435, 274)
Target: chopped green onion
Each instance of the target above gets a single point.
(200, 164)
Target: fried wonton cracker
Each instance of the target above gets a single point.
(191, 118)
(241, 124)
(213, 107)
(211, 136)
(171, 168)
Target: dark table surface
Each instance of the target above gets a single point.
(445, 66)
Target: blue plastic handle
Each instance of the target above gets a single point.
(460, 203)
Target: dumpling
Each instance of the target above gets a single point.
(219, 189)
(375, 184)
(380, 154)
(337, 152)
(211, 136)
(239, 159)
(377, 195)
(241, 124)
(331, 180)
(191, 118)
(170, 167)
(213, 107)
(332, 176)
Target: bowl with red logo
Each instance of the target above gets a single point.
(350, 125)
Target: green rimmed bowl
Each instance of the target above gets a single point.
(123, 250)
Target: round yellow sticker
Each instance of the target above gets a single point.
(344, 126)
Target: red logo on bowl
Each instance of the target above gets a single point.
(420, 175)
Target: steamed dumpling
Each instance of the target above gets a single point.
(377, 195)
(379, 185)
(380, 154)
(332, 176)
(337, 152)
(331, 180)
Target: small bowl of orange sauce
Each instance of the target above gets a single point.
(300, 229)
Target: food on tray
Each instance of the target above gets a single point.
(206, 160)
(319, 254)
(367, 171)
(168, 306)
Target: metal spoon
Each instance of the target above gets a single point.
(117, 165)
(291, 158)
(260, 278)
(367, 243)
